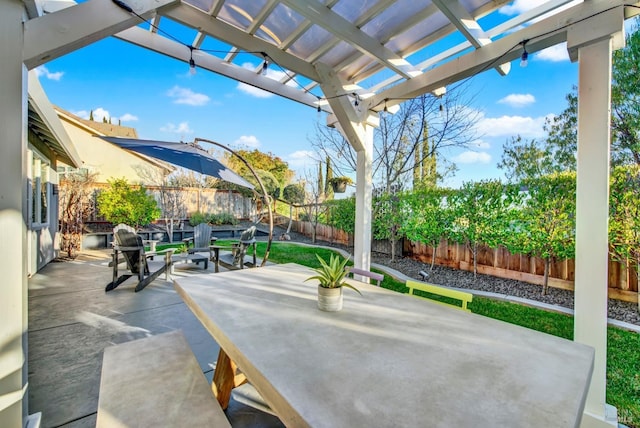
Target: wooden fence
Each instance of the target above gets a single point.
(623, 284)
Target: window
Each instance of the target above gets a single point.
(39, 198)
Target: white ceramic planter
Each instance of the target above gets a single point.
(329, 299)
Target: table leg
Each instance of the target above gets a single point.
(225, 378)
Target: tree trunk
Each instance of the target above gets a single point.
(290, 219)
(169, 226)
(545, 281)
(433, 257)
(474, 254)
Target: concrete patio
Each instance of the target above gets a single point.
(72, 320)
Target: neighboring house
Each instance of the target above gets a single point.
(106, 160)
(48, 147)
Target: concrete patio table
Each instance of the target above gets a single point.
(386, 359)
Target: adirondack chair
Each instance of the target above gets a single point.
(132, 248)
(238, 251)
(201, 241)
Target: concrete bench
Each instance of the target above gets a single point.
(464, 297)
(156, 382)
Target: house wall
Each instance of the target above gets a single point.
(42, 218)
(108, 160)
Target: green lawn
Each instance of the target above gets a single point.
(623, 354)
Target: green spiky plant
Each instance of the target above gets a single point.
(332, 275)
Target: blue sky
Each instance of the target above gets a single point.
(156, 95)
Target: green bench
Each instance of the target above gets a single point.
(463, 297)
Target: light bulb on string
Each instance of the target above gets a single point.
(386, 110)
(265, 65)
(524, 59)
(192, 63)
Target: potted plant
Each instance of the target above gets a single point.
(331, 280)
(339, 184)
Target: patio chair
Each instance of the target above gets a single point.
(201, 241)
(236, 258)
(132, 248)
(352, 271)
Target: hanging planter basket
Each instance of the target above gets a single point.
(339, 184)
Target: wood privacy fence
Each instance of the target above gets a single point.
(623, 284)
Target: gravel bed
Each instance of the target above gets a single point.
(441, 275)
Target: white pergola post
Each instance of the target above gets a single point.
(592, 211)
(13, 254)
(364, 188)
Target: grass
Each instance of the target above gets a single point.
(623, 351)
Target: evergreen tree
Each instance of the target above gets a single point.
(91, 115)
(328, 188)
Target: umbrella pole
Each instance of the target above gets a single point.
(264, 192)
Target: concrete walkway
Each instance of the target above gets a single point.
(72, 320)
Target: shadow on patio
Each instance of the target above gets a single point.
(72, 320)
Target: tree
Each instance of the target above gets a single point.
(482, 214)
(546, 222)
(562, 130)
(427, 217)
(523, 159)
(75, 203)
(388, 217)
(328, 188)
(121, 203)
(415, 137)
(624, 217)
(293, 194)
(313, 200)
(625, 102)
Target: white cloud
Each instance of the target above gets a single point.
(128, 117)
(508, 126)
(83, 114)
(98, 114)
(300, 159)
(518, 100)
(44, 71)
(259, 93)
(182, 128)
(520, 6)
(248, 140)
(472, 157)
(187, 96)
(554, 53)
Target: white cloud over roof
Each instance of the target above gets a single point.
(518, 100)
(186, 96)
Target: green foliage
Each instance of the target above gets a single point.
(260, 161)
(523, 159)
(331, 275)
(197, 218)
(342, 214)
(388, 214)
(546, 223)
(427, 217)
(624, 215)
(294, 193)
(215, 219)
(482, 214)
(328, 188)
(121, 203)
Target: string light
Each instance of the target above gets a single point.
(524, 59)
(386, 110)
(192, 63)
(265, 64)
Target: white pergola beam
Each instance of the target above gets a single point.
(349, 120)
(541, 35)
(56, 34)
(157, 43)
(192, 17)
(324, 17)
(468, 26)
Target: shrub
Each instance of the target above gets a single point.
(197, 218)
(120, 203)
(222, 218)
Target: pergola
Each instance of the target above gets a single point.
(352, 59)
